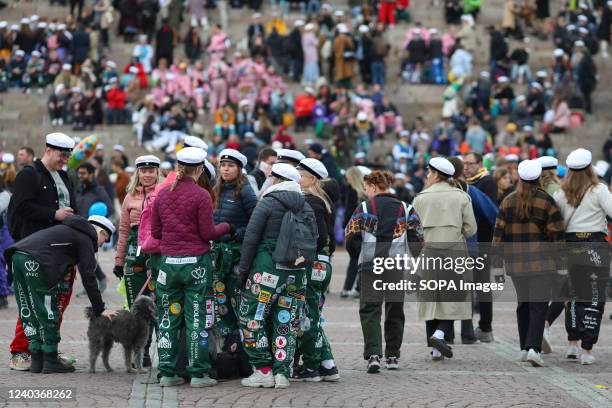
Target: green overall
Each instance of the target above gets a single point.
(313, 343)
(225, 259)
(184, 297)
(269, 312)
(135, 269)
(38, 304)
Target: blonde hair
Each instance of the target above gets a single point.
(181, 172)
(354, 177)
(317, 191)
(135, 181)
(576, 184)
(549, 177)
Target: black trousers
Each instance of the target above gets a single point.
(351, 274)
(432, 325)
(370, 314)
(485, 299)
(554, 310)
(530, 315)
(583, 318)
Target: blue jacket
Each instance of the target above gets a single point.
(236, 211)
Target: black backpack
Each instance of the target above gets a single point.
(297, 239)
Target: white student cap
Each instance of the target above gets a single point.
(442, 165)
(147, 161)
(548, 162)
(314, 167)
(529, 170)
(579, 159)
(286, 171)
(291, 156)
(234, 156)
(60, 141)
(103, 223)
(191, 156)
(192, 141)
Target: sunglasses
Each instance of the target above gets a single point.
(65, 154)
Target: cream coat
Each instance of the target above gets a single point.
(447, 218)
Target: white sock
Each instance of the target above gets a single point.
(439, 334)
(435, 353)
(328, 364)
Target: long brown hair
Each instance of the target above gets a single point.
(576, 184)
(182, 172)
(240, 180)
(206, 184)
(549, 177)
(524, 195)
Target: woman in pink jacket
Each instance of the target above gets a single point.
(219, 43)
(183, 223)
(217, 74)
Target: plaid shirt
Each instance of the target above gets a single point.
(529, 246)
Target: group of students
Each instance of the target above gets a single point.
(205, 247)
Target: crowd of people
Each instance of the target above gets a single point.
(204, 229)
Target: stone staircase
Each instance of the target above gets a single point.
(24, 120)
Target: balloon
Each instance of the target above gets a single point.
(98, 208)
(83, 151)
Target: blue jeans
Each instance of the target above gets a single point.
(377, 69)
(313, 7)
(437, 71)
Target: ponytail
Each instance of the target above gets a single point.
(180, 173)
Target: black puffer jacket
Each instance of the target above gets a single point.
(325, 224)
(236, 211)
(72, 243)
(265, 223)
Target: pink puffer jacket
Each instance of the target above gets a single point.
(183, 220)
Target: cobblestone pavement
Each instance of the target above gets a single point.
(481, 375)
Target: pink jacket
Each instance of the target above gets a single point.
(183, 220)
(217, 43)
(310, 44)
(130, 216)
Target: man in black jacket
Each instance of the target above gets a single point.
(480, 178)
(89, 192)
(42, 197)
(42, 265)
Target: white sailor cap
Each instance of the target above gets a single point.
(360, 155)
(579, 159)
(191, 156)
(244, 102)
(310, 90)
(583, 5)
(209, 169)
(289, 156)
(111, 64)
(119, 148)
(570, 27)
(165, 165)
(364, 29)
(130, 169)
(503, 79)
(34, 17)
(339, 13)
(20, 53)
(578, 43)
(485, 74)
(76, 89)
(342, 28)
(542, 73)
(399, 176)
(61, 27)
(59, 141)
(286, 172)
(511, 158)
(521, 98)
(36, 53)
(42, 24)
(52, 26)
(249, 135)
(314, 167)
(25, 20)
(14, 27)
(234, 156)
(442, 165)
(404, 133)
(583, 30)
(536, 85)
(298, 23)
(192, 141)
(256, 15)
(326, 6)
(529, 170)
(147, 161)
(527, 128)
(559, 52)
(433, 31)
(364, 170)
(103, 223)
(362, 116)
(8, 158)
(99, 146)
(582, 17)
(133, 70)
(3, 24)
(309, 27)
(601, 168)
(548, 162)
(66, 67)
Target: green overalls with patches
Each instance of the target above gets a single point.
(135, 268)
(38, 304)
(226, 257)
(269, 312)
(184, 297)
(313, 343)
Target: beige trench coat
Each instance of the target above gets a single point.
(447, 218)
(343, 68)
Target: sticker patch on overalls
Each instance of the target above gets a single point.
(285, 301)
(247, 285)
(161, 278)
(267, 279)
(255, 289)
(209, 322)
(284, 316)
(204, 333)
(220, 286)
(164, 342)
(319, 272)
(252, 325)
(282, 329)
(259, 313)
(182, 261)
(221, 298)
(209, 306)
(175, 308)
(281, 342)
(257, 277)
(264, 296)
(280, 355)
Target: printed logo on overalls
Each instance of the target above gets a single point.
(194, 336)
(29, 330)
(203, 342)
(175, 308)
(290, 279)
(220, 286)
(198, 273)
(209, 322)
(221, 298)
(252, 325)
(281, 342)
(209, 306)
(161, 278)
(203, 334)
(264, 296)
(284, 316)
(31, 266)
(259, 313)
(182, 261)
(282, 329)
(267, 279)
(285, 301)
(164, 342)
(257, 277)
(262, 342)
(319, 272)
(280, 355)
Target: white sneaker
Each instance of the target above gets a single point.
(60, 121)
(281, 381)
(546, 347)
(534, 358)
(587, 359)
(523, 356)
(572, 352)
(259, 379)
(53, 122)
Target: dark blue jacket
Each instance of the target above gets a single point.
(236, 211)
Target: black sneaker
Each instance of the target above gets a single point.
(374, 365)
(53, 364)
(305, 374)
(392, 363)
(329, 374)
(441, 346)
(469, 340)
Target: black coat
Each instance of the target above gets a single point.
(90, 193)
(236, 211)
(325, 223)
(487, 185)
(34, 200)
(80, 46)
(417, 51)
(499, 46)
(59, 248)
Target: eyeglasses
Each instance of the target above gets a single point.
(65, 154)
(470, 163)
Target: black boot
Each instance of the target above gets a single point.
(146, 359)
(36, 362)
(52, 364)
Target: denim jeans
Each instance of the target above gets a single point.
(378, 73)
